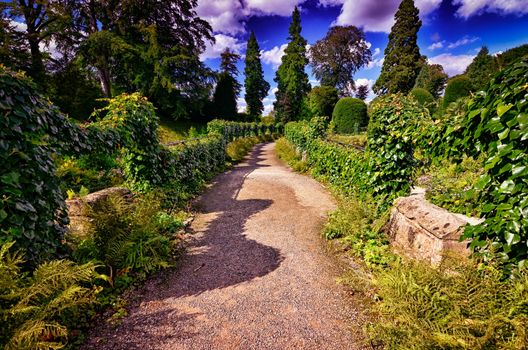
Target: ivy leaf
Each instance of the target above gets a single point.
(512, 238)
(503, 109)
(507, 186)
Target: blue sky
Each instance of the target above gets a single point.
(451, 34)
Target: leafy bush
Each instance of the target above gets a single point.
(424, 98)
(495, 123)
(449, 184)
(349, 115)
(457, 87)
(238, 149)
(357, 140)
(395, 125)
(322, 100)
(32, 208)
(459, 305)
(31, 305)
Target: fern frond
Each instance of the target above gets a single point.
(36, 335)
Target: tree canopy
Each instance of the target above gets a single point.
(256, 87)
(292, 80)
(432, 78)
(336, 57)
(402, 55)
(227, 88)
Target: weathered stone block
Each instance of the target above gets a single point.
(422, 230)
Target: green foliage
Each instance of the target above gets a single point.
(31, 305)
(32, 209)
(395, 125)
(92, 173)
(292, 80)
(358, 226)
(448, 185)
(225, 97)
(356, 140)
(402, 54)
(336, 57)
(255, 85)
(457, 87)
(349, 115)
(512, 55)
(495, 123)
(481, 69)
(236, 150)
(127, 236)
(431, 78)
(286, 152)
(459, 305)
(321, 100)
(422, 96)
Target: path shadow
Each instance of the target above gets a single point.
(222, 255)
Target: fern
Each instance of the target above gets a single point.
(460, 305)
(31, 305)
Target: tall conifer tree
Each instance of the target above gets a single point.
(227, 87)
(482, 69)
(255, 85)
(293, 84)
(402, 54)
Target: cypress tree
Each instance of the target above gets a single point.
(402, 54)
(255, 85)
(227, 87)
(292, 81)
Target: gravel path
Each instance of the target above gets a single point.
(256, 275)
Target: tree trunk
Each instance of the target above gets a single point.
(104, 78)
(37, 70)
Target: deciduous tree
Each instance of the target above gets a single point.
(432, 78)
(336, 57)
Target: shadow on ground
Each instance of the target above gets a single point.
(222, 256)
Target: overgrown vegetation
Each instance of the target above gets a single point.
(349, 115)
(460, 304)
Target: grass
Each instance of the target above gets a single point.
(357, 140)
(172, 130)
(287, 153)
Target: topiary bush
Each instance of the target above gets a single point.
(422, 96)
(349, 115)
(457, 87)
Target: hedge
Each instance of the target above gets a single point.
(349, 115)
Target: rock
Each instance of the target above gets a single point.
(422, 230)
(79, 223)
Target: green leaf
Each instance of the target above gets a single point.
(507, 186)
(482, 182)
(503, 109)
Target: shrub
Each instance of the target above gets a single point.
(31, 305)
(238, 149)
(459, 305)
(322, 99)
(422, 96)
(349, 115)
(394, 131)
(495, 123)
(449, 183)
(456, 88)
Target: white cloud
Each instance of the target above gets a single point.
(461, 42)
(437, 45)
(376, 52)
(225, 16)
(375, 16)
(273, 7)
(453, 64)
(222, 42)
(274, 55)
(469, 8)
(377, 62)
